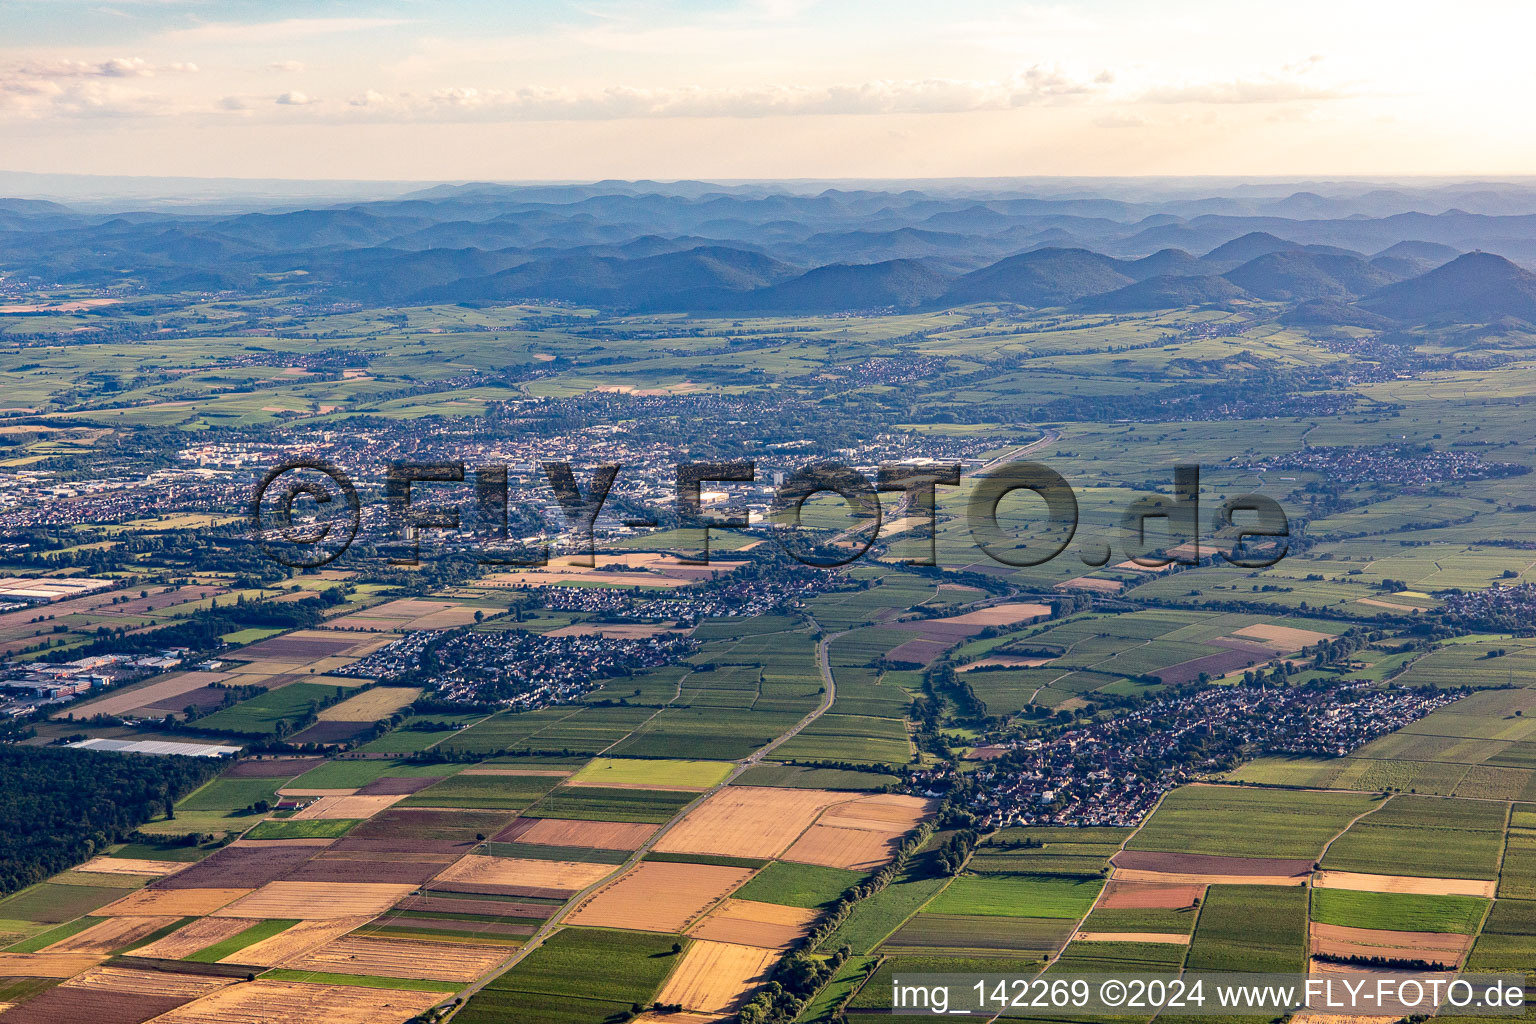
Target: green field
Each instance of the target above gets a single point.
(1138, 919)
(1072, 852)
(493, 792)
(956, 934)
(661, 772)
(316, 828)
(1424, 836)
(1017, 896)
(270, 713)
(1232, 822)
(235, 943)
(55, 903)
(354, 774)
(1399, 912)
(792, 777)
(798, 885)
(1508, 939)
(616, 970)
(1259, 928)
(597, 804)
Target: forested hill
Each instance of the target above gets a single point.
(60, 807)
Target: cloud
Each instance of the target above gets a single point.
(277, 31)
(1239, 90)
(74, 88)
(1039, 84)
(116, 67)
(84, 97)
(285, 66)
(295, 99)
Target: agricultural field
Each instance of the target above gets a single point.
(618, 969)
(1411, 835)
(1251, 928)
(1398, 912)
(1235, 822)
(395, 834)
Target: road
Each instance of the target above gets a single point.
(549, 927)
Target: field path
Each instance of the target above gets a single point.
(553, 924)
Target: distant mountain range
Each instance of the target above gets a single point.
(1368, 258)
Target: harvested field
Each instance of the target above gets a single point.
(172, 902)
(1005, 661)
(399, 785)
(248, 864)
(1337, 940)
(1404, 883)
(399, 958)
(658, 896)
(347, 807)
(301, 791)
(599, 835)
(290, 1002)
(408, 614)
(717, 977)
(916, 652)
(46, 965)
(273, 767)
(370, 705)
(1287, 637)
(371, 860)
(1240, 656)
(185, 941)
(111, 934)
(1206, 865)
(1090, 583)
(1200, 881)
(294, 942)
(1166, 938)
(1123, 895)
(748, 821)
(570, 876)
(940, 631)
(853, 848)
(375, 846)
(347, 870)
(317, 901)
(412, 823)
(481, 908)
(756, 924)
(1003, 614)
(163, 689)
(882, 812)
(306, 645)
(130, 866)
(331, 732)
(204, 698)
(98, 1005)
(149, 983)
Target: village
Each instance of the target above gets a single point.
(1113, 772)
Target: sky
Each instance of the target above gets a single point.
(520, 90)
